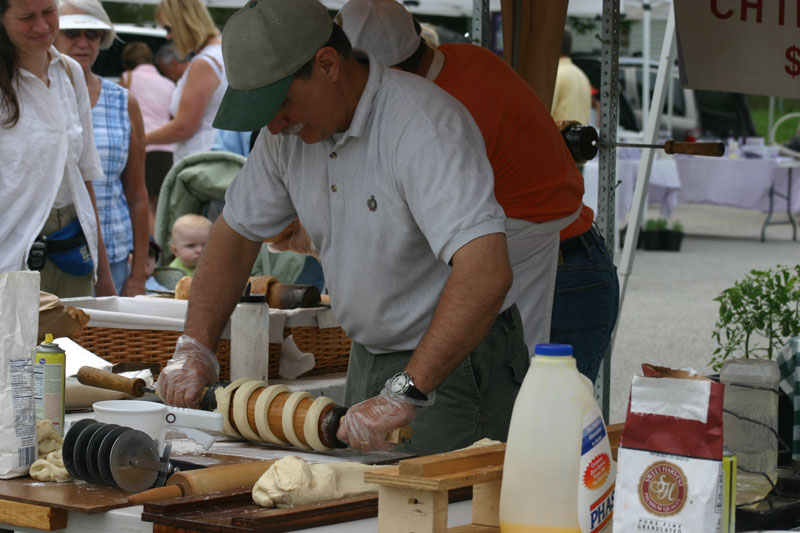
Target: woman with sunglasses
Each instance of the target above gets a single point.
(119, 136)
(48, 156)
(201, 87)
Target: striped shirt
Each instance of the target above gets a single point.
(112, 132)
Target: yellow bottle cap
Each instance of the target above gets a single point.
(48, 337)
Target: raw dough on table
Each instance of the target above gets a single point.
(291, 481)
(50, 469)
(48, 438)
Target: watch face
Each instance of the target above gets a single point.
(398, 383)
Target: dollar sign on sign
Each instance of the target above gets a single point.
(793, 55)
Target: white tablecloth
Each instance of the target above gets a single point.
(737, 182)
(734, 182)
(664, 185)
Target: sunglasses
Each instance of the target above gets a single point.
(91, 35)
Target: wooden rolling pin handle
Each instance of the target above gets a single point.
(714, 149)
(159, 493)
(103, 379)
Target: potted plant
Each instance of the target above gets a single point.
(652, 235)
(757, 317)
(673, 237)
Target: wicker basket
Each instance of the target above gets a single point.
(330, 346)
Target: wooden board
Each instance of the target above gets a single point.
(35, 516)
(74, 496)
(456, 461)
(234, 511)
(390, 475)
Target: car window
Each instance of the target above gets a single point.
(109, 62)
(678, 100)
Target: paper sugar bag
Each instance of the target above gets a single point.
(669, 465)
(19, 313)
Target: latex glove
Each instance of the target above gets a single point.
(366, 424)
(192, 367)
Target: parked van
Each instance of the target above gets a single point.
(695, 114)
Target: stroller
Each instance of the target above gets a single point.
(197, 184)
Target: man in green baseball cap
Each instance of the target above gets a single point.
(389, 176)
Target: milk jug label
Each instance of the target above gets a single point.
(597, 473)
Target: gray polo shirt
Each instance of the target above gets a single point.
(387, 203)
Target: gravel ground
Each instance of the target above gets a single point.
(669, 311)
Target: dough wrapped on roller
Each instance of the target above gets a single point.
(291, 481)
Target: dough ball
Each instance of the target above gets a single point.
(183, 287)
(291, 481)
(47, 437)
(50, 469)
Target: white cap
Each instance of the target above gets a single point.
(384, 28)
(81, 22)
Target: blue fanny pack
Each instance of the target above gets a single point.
(68, 250)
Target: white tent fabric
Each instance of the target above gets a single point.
(659, 9)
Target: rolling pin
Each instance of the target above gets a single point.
(328, 422)
(94, 377)
(205, 480)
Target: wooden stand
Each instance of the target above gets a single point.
(412, 496)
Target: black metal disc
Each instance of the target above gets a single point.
(105, 451)
(79, 457)
(133, 444)
(68, 445)
(92, 457)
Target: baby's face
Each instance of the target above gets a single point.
(188, 244)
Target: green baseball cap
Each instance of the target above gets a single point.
(263, 45)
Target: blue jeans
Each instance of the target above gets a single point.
(120, 272)
(586, 300)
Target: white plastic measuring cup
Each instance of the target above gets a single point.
(153, 418)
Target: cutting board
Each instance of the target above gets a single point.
(234, 511)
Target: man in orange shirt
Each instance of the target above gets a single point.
(536, 180)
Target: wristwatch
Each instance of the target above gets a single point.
(402, 383)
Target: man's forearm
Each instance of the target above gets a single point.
(462, 318)
(218, 282)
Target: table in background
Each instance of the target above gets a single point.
(756, 184)
(664, 184)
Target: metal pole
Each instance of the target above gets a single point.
(645, 60)
(607, 165)
(480, 22)
(646, 161)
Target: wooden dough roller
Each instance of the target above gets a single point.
(327, 423)
(205, 480)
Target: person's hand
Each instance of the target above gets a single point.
(564, 124)
(133, 286)
(366, 424)
(294, 238)
(192, 367)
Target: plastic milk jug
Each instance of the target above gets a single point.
(558, 475)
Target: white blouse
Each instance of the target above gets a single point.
(51, 143)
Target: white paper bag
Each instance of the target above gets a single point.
(19, 323)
